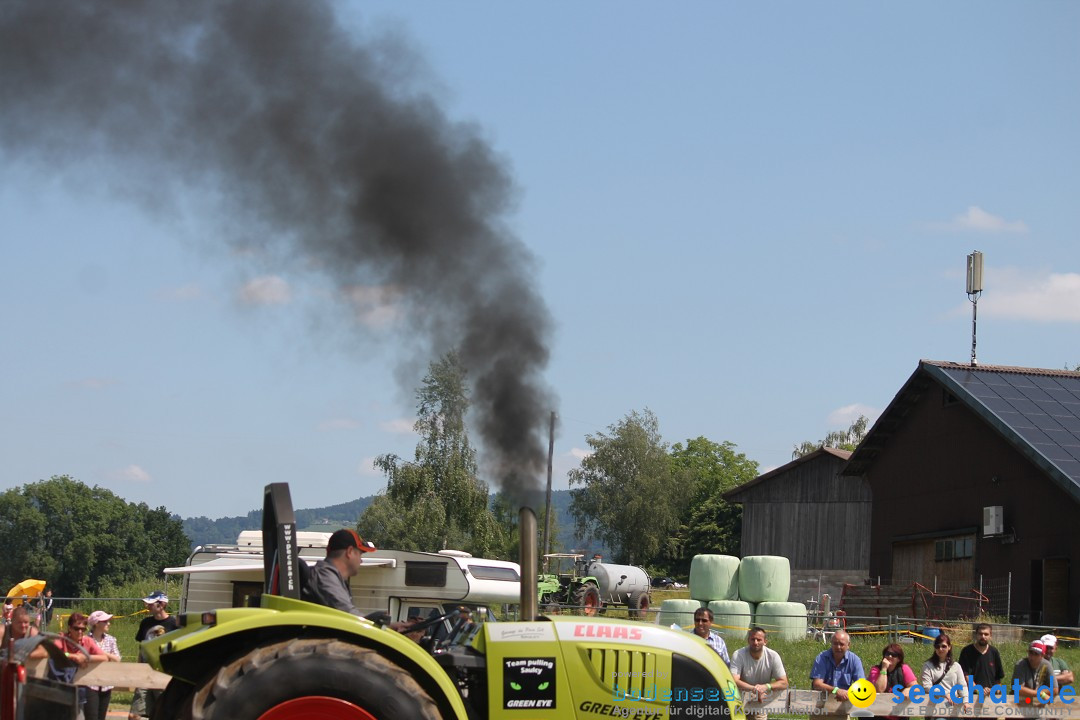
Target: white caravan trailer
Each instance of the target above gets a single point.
(405, 584)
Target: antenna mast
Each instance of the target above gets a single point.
(974, 290)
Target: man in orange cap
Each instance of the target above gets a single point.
(328, 581)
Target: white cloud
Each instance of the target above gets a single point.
(367, 468)
(978, 220)
(132, 473)
(580, 454)
(373, 306)
(842, 417)
(265, 290)
(338, 424)
(1040, 296)
(400, 426)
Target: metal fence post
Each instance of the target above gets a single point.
(1008, 599)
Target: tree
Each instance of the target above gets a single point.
(710, 524)
(437, 501)
(632, 495)
(839, 439)
(80, 538)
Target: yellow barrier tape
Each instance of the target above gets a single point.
(62, 618)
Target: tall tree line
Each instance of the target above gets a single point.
(80, 539)
(655, 504)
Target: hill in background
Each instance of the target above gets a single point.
(224, 531)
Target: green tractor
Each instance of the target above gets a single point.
(563, 583)
(288, 659)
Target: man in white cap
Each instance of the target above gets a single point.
(156, 604)
(1062, 673)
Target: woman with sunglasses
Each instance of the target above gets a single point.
(942, 671)
(77, 636)
(892, 671)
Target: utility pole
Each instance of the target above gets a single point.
(547, 505)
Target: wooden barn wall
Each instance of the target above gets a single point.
(938, 471)
(914, 562)
(810, 515)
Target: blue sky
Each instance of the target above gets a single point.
(751, 218)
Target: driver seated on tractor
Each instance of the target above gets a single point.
(327, 583)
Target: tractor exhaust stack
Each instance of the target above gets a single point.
(527, 560)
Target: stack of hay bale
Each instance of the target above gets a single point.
(740, 595)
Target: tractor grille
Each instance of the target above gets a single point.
(628, 672)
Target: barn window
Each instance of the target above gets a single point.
(954, 549)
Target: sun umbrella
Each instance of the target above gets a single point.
(29, 588)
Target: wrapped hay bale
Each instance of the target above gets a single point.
(678, 611)
(782, 619)
(764, 578)
(714, 577)
(731, 618)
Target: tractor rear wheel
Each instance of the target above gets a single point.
(638, 604)
(587, 599)
(311, 680)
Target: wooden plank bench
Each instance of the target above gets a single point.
(814, 702)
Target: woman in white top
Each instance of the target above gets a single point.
(98, 698)
(942, 671)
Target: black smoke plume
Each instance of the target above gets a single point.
(318, 146)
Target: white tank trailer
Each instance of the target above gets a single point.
(621, 584)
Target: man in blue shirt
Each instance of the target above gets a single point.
(835, 670)
(703, 618)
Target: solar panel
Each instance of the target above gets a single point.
(1038, 408)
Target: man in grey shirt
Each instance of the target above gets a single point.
(1035, 672)
(756, 668)
(328, 580)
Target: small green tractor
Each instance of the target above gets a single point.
(563, 584)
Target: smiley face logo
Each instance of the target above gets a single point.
(862, 693)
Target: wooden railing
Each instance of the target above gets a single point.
(121, 675)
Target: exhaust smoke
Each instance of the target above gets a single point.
(317, 149)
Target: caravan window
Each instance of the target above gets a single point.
(425, 574)
(487, 572)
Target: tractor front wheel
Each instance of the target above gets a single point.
(311, 680)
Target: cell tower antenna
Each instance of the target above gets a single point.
(974, 291)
